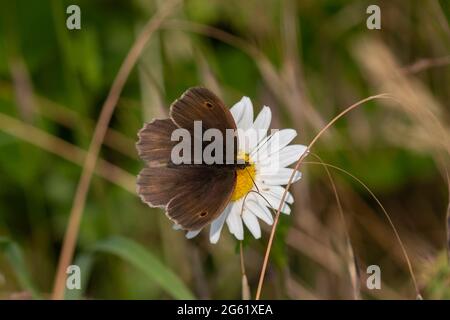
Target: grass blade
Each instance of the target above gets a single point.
(85, 262)
(14, 255)
(148, 263)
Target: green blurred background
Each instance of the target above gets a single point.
(308, 60)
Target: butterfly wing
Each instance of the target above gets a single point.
(200, 104)
(193, 196)
(155, 145)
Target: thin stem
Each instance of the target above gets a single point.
(447, 216)
(352, 263)
(297, 165)
(241, 254)
(79, 201)
(424, 64)
(50, 143)
(391, 223)
(245, 286)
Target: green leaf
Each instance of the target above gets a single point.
(148, 263)
(85, 262)
(14, 255)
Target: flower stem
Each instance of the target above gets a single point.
(245, 286)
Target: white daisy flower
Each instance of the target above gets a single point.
(258, 186)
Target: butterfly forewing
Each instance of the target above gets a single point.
(200, 104)
(204, 107)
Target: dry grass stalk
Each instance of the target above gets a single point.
(62, 148)
(101, 128)
(424, 64)
(414, 99)
(282, 86)
(351, 262)
(246, 295)
(23, 88)
(297, 165)
(408, 94)
(388, 217)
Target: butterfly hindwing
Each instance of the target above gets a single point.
(201, 202)
(154, 144)
(192, 197)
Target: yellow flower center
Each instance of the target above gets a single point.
(244, 179)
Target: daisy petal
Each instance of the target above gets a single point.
(248, 140)
(260, 211)
(217, 224)
(280, 176)
(277, 192)
(274, 203)
(258, 131)
(234, 221)
(252, 224)
(192, 234)
(237, 110)
(261, 144)
(243, 113)
(275, 143)
(287, 156)
(262, 121)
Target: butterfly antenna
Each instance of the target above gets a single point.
(253, 181)
(261, 195)
(257, 192)
(257, 189)
(264, 198)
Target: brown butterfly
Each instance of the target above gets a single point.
(192, 195)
